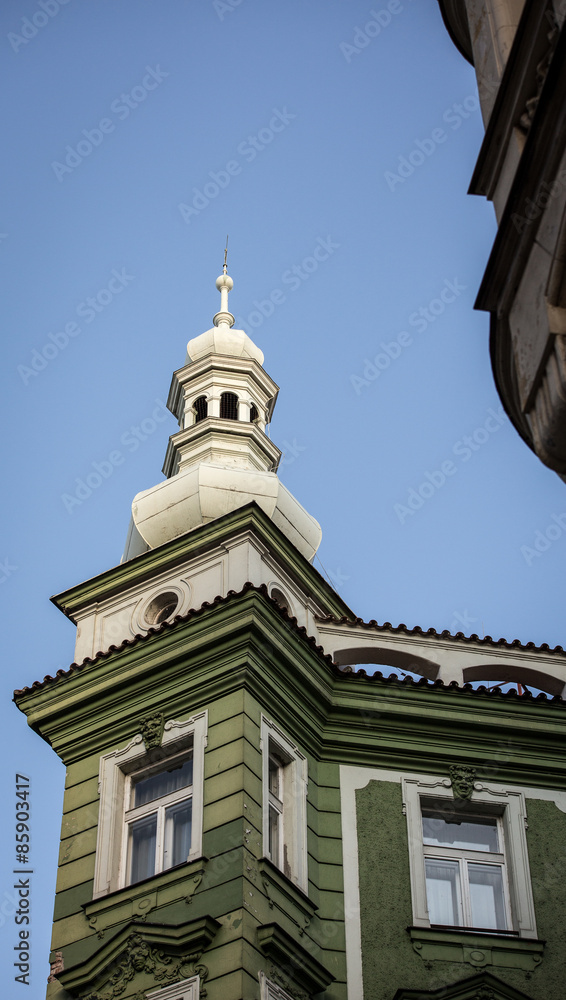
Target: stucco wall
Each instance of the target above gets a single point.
(389, 961)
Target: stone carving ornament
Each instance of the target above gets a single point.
(151, 728)
(462, 778)
(141, 957)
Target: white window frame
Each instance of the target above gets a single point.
(187, 989)
(271, 991)
(509, 806)
(155, 807)
(291, 804)
(114, 783)
(464, 857)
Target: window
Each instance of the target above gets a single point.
(466, 883)
(282, 601)
(229, 406)
(270, 990)
(158, 818)
(275, 824)
(201, 409)
(254, 414)
(284, 804)
(151, 804)
(161, 608)
(468, 858)
(188, 989)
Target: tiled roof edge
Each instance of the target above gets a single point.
(487, 640)
(178, 619)
(350, 672)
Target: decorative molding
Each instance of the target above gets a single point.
(114, 768)
(151, 729)
(174, 729)
(193, 886)
(482, 986)
(92, 923)
(141, 907)
(118, 756)
(143, 958)
(164, 953)
(281, 987)
(541, 72)
(476, 948)
(462, 778)
(287, 954)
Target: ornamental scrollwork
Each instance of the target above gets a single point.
(280, 978)
(141, 957)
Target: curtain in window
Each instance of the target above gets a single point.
(443, 891)
(177, 834)
(142, 848)
(163, 783)
(486, 895)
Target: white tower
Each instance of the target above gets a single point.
(221, 458)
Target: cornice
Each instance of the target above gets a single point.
(456, 22)
(195, 543)
(482, 986)
(517, 86)
(540, 159)
(170, 629)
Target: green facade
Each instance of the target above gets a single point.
(232, 914)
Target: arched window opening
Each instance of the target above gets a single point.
(201, 408)
(229, 406)
(254, 415)
(281, 599)
(161, 608)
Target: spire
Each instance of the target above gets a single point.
(221, 458)
(224, 285)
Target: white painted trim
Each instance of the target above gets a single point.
(113, 770)
(295, 786)
(179, 587)
(352, 778)
(513, 810)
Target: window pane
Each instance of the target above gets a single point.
(443, 891)
(471, 834)
(486, 894)
(274, 820)
(142, 848)
(274, 769)
(148, 789)
(177, 834)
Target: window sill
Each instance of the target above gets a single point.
(307, 973)
(478, 948)
(134, 902)
(273, 879)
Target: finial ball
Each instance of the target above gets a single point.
(224, 281)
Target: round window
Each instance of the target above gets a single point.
(279, 596)
(161, 608)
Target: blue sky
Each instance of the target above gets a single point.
(141, 132)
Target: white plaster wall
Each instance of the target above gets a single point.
(204, 578)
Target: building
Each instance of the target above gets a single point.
(518, 49)
(248, 813)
